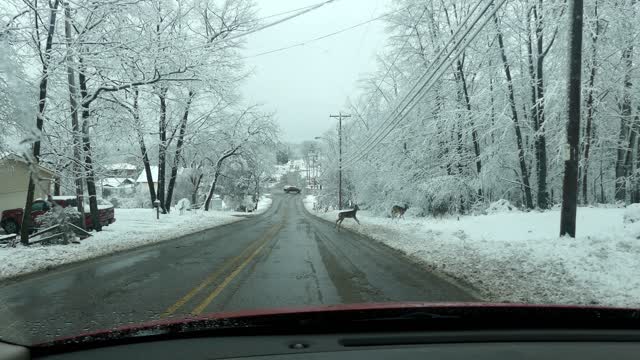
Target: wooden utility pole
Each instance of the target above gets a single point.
(570, 182)
(340, 116)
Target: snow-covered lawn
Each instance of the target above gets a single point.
(133, 228)
(519, 257)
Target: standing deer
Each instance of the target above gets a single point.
(347, 214)
(398, 211)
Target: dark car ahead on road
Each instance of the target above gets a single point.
(291, 189)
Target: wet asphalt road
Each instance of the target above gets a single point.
(283, 258)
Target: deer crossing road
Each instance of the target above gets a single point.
(283, 258)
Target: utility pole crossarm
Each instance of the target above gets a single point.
(340, 116)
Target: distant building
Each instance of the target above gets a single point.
(14, 181)
(117, 186)
(121, 170)
(142, 178)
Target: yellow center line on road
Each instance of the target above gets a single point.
(265, 239)
(209, 280)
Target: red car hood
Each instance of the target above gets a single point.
(367, 317)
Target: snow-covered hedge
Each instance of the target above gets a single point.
(59, 216)
(501, 206)
(444, 195)
(632, 214)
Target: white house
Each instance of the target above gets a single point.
(14, 181)
(117, 186)
(142, 178)
(121, 170)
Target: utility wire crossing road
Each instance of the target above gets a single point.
(283, 258)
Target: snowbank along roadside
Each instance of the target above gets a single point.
(513, 256)
(133, 228)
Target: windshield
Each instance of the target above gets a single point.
(233, 155)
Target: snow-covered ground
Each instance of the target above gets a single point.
(518, 257)
(133, 228)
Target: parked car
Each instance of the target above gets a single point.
(291, 189)
(11, 220)
(106, 214)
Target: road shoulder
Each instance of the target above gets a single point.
(379, 236)
(135, 228)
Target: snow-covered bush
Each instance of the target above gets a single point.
(501, 206)
(59, 216)
(444, 195)
(183, 205)
(139, 199)
(239, 203)
(632, 214)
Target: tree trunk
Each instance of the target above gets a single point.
(143, 148)
(493, 108)
(212, 189)
(217, 174)
(459, 150)
(540, 139)
(514, 117)
(162, 147)
(42, 99)
(257, 193)
(623, 153)
(474, 131)
(602, 198)
(570, 181)
(56, 187)
(633, 194)
(86, 146)
(196, 187)
(179, 145)
(634, 144)
(78, 168)
(534, 112)
(589, 105)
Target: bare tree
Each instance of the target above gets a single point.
(524, 170)
(42, 100)
(178, 151)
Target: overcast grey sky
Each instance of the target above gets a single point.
(305, 84)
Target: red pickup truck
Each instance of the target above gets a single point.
(11, 220)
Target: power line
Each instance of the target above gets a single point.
(302, 43)
(439, 71)
(393, 63)
(263, 27)
(282, 13)
(385, 125)
(420, 94)
(386, 122)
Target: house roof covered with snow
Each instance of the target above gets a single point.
(117, 182)
(142, 178)
(121, 166)
(11, 156)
